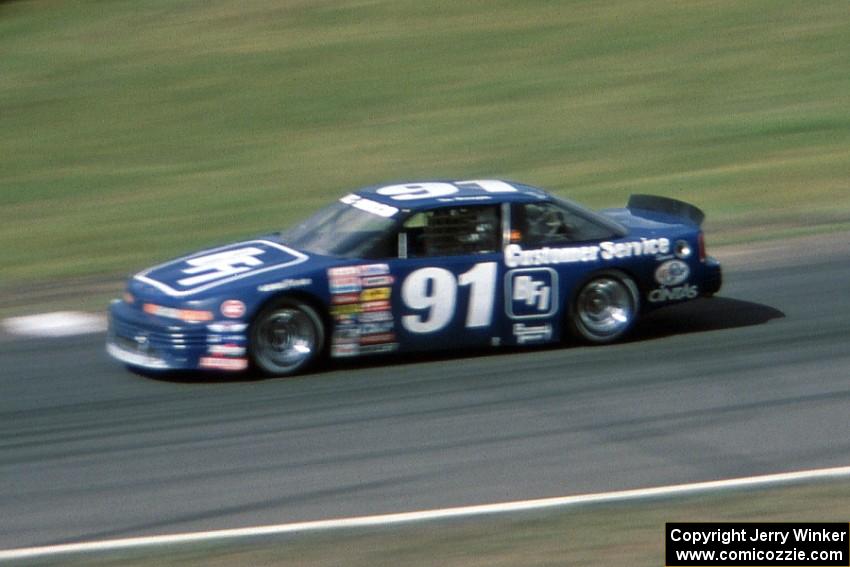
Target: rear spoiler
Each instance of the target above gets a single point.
(667, 206)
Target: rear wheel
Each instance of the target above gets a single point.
(605, 308)
(286, 337)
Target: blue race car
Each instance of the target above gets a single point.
(414, 267)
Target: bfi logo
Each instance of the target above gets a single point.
(532, 293)
(221, 265)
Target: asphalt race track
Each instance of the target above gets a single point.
(752, 382)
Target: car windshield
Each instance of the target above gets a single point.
(351, 228)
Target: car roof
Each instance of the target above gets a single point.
(427, 194)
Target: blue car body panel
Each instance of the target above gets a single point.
(513, 296)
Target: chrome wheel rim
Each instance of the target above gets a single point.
(285, 339)
(605, 307)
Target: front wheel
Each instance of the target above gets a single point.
(605, 308)
(286, 337)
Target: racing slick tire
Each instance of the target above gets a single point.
(605, 307)
(286, 337)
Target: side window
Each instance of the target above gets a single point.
(535, 224)
(453, 231)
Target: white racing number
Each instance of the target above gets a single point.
(412, 191)
(435, 290)
(481, 280)
(432, 189)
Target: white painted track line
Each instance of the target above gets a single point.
(56, 324)
(409, 517)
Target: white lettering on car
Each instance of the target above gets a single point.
(673, 293)
(516, 256)
(532, 333)
(643, 247)
(531, 293)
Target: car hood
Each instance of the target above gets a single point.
(216, 270)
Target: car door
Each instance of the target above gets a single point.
(563, 246)
(447, 291)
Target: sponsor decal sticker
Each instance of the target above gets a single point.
(342, 271)
(361, 308)
(226, 350)
(643, 247)
(379, 348)
(377, 281)
(233, 308)
(673, 293)
(376, 328)
(288, 283)
(374, 269)
(516, 256)
(375, 316)
(345, 288)
(218, 339)
(344, 284)
(212, 268)
(187, 315)
(227, 327)
(220, 265)
(375, 294)
(672, 272)
(377, 338)
(461, 199)
(532, 333)
(345, 349)
(221, 363)
(345, 309)
(142, 342)
(531, 293)
(346, 334)
(344, 298)
(370, 306)
(346, 319)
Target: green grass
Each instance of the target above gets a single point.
(131, 130)
(615, 534)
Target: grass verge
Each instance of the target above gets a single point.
(132, 131)
(613, 534)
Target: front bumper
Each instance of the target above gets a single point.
(140, 340)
